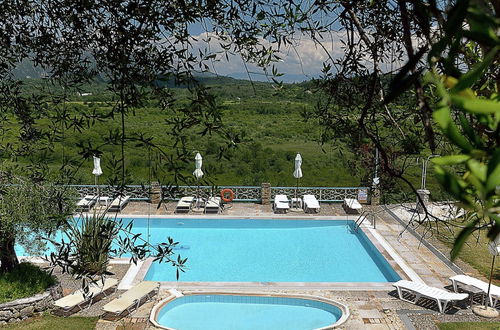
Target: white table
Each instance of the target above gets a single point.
(297, 202)
(104, 200)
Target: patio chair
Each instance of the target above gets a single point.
(86, 203)
(184, 204)
(351, 205)
(311, 204)
(442, 297)
(118, 203)
(281, 204)
(79, 299)
(131, 300)
(458, 280)
(213, 205)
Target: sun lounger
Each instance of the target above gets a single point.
(311, 204)
(77, 300)
(213, 205)
(184, 205)
(351, 205)
(119, 203)
(86, 203)
(442, 297)
(131, 299)
(481, 285)
(281, 204)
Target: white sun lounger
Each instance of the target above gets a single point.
(119, 203)
(281, 204)
(184, 205)
(78, 299)
(86, 203)
(442, 297)
(131, 299)
(481, 285)
(213, 205)
(352, 205)
(311, 204)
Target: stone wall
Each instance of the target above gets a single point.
(21, 309)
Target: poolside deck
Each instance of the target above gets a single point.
(370, 309)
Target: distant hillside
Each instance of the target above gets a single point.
(27, 70)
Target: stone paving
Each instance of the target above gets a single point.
(369, 309)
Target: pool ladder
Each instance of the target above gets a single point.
(362, 217)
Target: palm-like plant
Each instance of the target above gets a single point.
(93, 243)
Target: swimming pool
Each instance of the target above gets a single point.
(247, 312)
(265, 250)
(244, 250)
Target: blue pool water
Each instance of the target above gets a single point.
(216, 312)
(249, 250)
(270, 251)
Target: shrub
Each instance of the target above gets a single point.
(93, 240)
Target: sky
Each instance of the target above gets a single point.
(300, 62)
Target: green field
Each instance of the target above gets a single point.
(270, 123)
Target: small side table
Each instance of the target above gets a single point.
(472, 291)
(297, 203)
(104, 200)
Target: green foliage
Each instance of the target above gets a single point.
(468, 113)
(24, 281)
(31, 211)
(92, 237)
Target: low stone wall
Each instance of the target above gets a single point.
(21, 309)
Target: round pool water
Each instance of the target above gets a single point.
(247, 312)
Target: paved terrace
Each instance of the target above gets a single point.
(376, 309)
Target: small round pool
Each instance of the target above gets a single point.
(247, 312)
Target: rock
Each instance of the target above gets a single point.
(27, 311)
(5, 315)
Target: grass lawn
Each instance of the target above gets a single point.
(52, 322)
(469, 326)
(24, 281)
(476, 254)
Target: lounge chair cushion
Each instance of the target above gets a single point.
(87, 201)
(310, 203)
(442, 297)
(119, 203)
(213, 204)
(131, 297)
(184, 204)
(79, 297)
(352, 203)
(481, 285)
(281, 203)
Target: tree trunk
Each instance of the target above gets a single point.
(8, 257)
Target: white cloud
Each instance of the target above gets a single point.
(302, 60)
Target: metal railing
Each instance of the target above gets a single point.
(325, 194)
(242, 193)
(136, 192)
